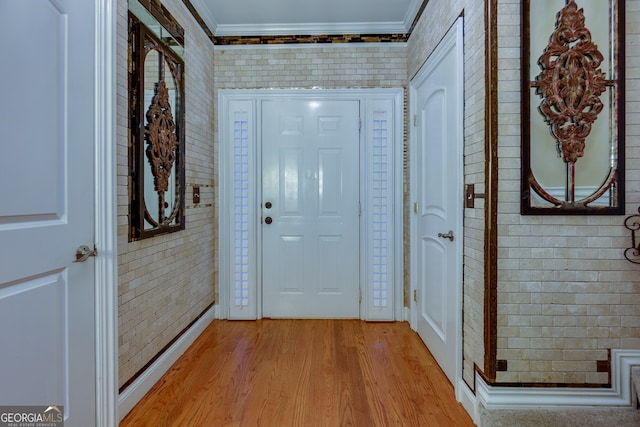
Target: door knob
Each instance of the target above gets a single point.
(448, 235)
(268, 220)
(85, 252)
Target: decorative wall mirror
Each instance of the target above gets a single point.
(156, 112)
(572, 107)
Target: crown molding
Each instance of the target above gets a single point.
(311, 29)
(206, 15)
(277, 46)
(412, 13)
(317, 28)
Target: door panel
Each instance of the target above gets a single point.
(291, 197)
(330, 180)
(46, 300)
(438, 175)
(37, 305)
(329, 255)
(310, 264)
(434, 217)
(41, 199)
(434, 304)
(291, 276)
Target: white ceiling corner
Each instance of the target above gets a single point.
(204, 10)
(412, 12)
(307, 17)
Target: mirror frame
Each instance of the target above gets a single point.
(615, 180)
(139, 37)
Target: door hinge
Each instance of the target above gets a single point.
(359, 124)
(415, 295)
(416, 207)
(359, 209)
(360, 295)
(415, 120)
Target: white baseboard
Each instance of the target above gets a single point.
(619, 395)
(217, 313)
(406, 312)
(467, 399)
(141, 386)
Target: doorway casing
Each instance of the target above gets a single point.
(381, 198)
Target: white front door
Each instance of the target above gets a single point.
(310, 208)
(438, 208)
(47, 325)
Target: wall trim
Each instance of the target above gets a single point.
(407, 315)
(199, 19)
(217, 313)
(324, 28)
(618, 395)
(468, 400)
(224, 47)
(491, 191)
(141, 386)
(105, 221)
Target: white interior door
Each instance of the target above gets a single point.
(47, 326)
(310, 208)
(438, 182)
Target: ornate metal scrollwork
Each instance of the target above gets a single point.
(573, 108)
(156, 127)
(161, 138)
(162, 141)
(571, 82)
(633, 253)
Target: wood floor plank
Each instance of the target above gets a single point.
(325, 373)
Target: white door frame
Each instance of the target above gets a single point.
(369, 100)
(105, 178)
(454, 36)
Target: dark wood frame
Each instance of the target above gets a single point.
(527, 179)
(492, 364)
(139, 35)
(491, 195)
(164, 18)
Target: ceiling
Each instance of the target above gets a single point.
(307, 17)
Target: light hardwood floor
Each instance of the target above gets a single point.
(278, 373)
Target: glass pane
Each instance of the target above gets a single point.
(572, 137)
(160, 190)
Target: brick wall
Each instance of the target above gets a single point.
(166, 281)
(565, 293)
(323, 66)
